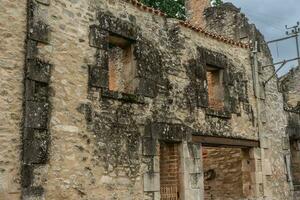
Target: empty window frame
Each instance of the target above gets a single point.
(215, 87)
(122, 67)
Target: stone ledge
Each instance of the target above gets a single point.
(218, 113)
(129, 98)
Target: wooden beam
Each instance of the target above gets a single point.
(225, 142)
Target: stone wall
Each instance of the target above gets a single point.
(290, 87)
(195, 10)
(12, 37)
(89, 142)
(228, 20)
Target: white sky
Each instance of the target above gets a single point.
(270, 17)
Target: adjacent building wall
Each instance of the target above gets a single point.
(228, 20)
(195, 10)
(290, 86)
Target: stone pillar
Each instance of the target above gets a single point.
(192, 172)
(195, 10)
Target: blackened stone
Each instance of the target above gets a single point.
(35, 147)
(31, 50)
(98, 77)
(228, 77)
(129, 98)
(149, 147)
(38, 70)
(102, 59)
(147, 88)
(117, 26)
(33, 192)
(98, 37)
(170, 132)
(36, 115)
(196, 91)
(39, 31)
(218, 113)
(27, 175)
(36, 91)
(202, 98)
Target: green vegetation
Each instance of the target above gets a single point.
(173, 8)
(217, 2)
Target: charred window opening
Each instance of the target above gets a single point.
(169, 171)
(215, 87)
(122, 68)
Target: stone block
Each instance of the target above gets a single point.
(38, 70)
(33, 193)
(98, 37)
(35, 146)
(98, 77)
(147, 88)
(117, 26)
(36, 91)
(151, 182)
(285, 143)
(267, 168)
(255, 153)
(193, 165)
(195, 150)
(36, 115)
(156, 196)
(149, 147)
(193, 194)
(196, 180)
(27, 175)
(265, 143)
(257, 177)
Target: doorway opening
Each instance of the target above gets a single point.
(227, 173)
(169, 163)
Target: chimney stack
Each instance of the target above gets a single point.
(195, 10)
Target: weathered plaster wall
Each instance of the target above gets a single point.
(12, 36)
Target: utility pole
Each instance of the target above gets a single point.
(294, 31)
(291, 32)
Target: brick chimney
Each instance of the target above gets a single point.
(194, 11)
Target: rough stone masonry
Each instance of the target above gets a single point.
(109, 99)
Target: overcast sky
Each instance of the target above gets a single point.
(271, 16)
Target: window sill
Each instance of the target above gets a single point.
(218, 113)
(120, 96)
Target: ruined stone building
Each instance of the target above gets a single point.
(290, 86)
(111, 99)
